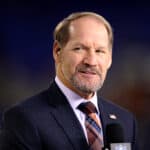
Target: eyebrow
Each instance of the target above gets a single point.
(87, 47)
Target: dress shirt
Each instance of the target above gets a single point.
(75, 100)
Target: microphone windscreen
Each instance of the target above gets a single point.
(114, 133)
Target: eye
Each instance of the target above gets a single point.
(99, 51)
(77, 48)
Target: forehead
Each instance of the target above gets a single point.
(88, 17)
(88, 28)
(91, 20)
(87, 24)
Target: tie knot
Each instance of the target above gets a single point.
(87, 108)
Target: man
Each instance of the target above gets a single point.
(52, 120)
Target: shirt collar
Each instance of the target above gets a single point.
(74, 99)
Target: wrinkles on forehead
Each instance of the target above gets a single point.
(80, 33)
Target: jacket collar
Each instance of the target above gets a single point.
(64, 115)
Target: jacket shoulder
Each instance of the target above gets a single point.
(112, 107)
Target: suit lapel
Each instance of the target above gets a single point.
(107, 116)
(65, 117)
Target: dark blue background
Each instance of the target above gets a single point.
(26, 62)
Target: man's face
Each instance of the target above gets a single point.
(83, 63)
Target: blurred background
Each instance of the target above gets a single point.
(27, 66)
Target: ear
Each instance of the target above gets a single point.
(56, 51)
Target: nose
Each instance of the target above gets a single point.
(90, 59)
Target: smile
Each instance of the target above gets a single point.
(88, 72)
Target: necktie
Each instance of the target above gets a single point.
(93, 126)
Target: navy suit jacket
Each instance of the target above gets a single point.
(47, 122)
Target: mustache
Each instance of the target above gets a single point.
(90, 69)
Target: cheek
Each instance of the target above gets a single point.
(68, 66)
(104, 64)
